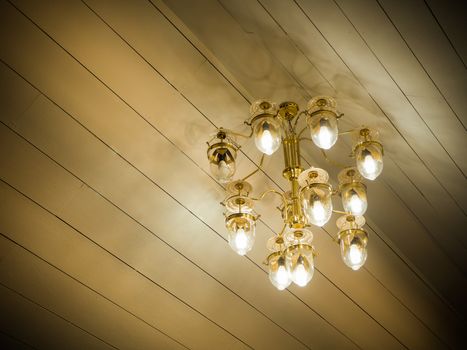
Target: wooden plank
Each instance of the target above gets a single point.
(258, 20)
(445, 63)
(420, 177)
(436, 194)
(49, 287)
(356, 54)
(410, 75)
(345, 81)
(11, 342)
(27, 325)
(360, 109)
(221, 262)
(120, 283)
(69, 153)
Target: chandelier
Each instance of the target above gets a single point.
(308, 202)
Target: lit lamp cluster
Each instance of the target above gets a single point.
(309, 200)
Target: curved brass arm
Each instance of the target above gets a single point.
(350, 131)
(242, 135)
(256, 170)
(298, 117)
(330, 161)
(284, 200)
(301, 132)
(340, 212)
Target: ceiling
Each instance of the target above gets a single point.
(111, 232)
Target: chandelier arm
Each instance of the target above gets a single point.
(283, 229)
(298, 117)
(260, 166)
(301, 132)
(242, 135)
(340, 212)
(330, 161)
(284, 200)
(350, 131)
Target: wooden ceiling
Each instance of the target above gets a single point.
(111, 232)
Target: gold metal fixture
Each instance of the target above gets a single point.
(309, 198)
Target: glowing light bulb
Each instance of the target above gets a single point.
(241, 241)
(324, 132)
(241, 233)
(353, 253)
(354, 198)
(317, 210)
(279, 275)
(370, 161)
(267, 135)
(267, 142)
(301, 274)
(356, 205)
(369, 164)
(282, 277)
(325, 137)
(355, 256)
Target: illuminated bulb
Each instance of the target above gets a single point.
(369, 164)
(241, 240)
(241, 234)
(279, 276)
(324, 130)
(302, 272)
(267, 135)
(354, 198)
(325, 137)
(357, 206)
(267, 142)
(324, 133)
(370, 161)
(354, 254)
(317, 213)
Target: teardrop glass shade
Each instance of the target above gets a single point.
(324, 131)
(221, 157)
(241, 232)
(278, 273)
(317, 204)
(369, 158)
(300, 264)
(223, 171)
(353, 248)
(267, 133)
(354, 198)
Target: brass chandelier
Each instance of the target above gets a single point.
(309, 200)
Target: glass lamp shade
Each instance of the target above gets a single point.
(241, 232)
(222, 161)
(323, 128)
(223, 171)
(317, 203)
(354, 199)
(353, 244)
(300, 263)
(369, 156)
(278, 272)
(267, 132)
